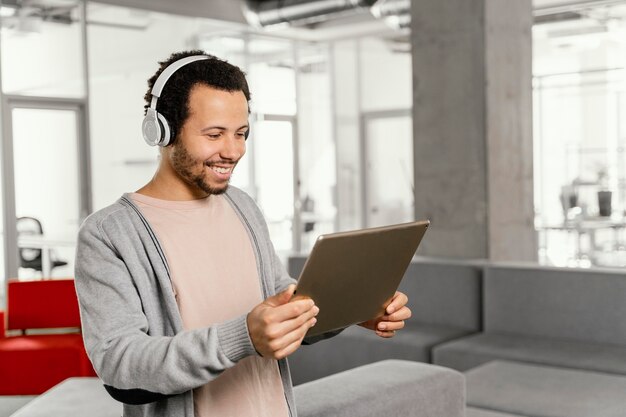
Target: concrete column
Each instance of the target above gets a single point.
(472, 117)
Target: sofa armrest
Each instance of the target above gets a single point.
(2, 324)
(392, 387)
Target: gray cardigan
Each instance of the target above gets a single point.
(132, 327)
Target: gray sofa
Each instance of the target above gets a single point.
(553, 343)
(545, 391)
(393, 388)
(445, 298)
(533, 341)
(572, 318)
(397, 388)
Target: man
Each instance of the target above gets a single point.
(185, 306)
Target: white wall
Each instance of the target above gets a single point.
(385, 80)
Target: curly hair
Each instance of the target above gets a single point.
(213, 72)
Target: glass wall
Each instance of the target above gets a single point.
(304, 164)
(46, 191)
(388, 149)
(317, 203)
(43, 91)
(373, 99)
(272, 79)
(273, 161)
(580, 141)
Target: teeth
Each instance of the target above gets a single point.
(221, 170)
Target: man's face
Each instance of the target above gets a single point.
(211, 141)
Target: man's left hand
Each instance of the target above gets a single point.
(393, 319)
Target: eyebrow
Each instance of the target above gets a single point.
(246, 126)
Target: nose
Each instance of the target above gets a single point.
(233, 148)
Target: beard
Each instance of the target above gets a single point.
(187, 168)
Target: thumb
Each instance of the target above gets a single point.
(282, 297)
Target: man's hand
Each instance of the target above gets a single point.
(277, 326)
(393, 319)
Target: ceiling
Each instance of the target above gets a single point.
(347, 25)
(230, 10)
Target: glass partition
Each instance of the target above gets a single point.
(317, 202)
(580, 142)
(308, 99)
(581, 156)
(388, 168)
(273, 161)
(371, 75)
(45, 154)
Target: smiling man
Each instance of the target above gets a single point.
(185, 306)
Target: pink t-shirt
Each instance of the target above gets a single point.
(215, 279)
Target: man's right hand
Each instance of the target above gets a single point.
(277, 326)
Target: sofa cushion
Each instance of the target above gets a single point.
(545, 391)
(394, 388)
(556, 302)
(445, 293)
(357, 346)
(42, 304)
(11, 403)
(471, 351)
(32, 364)
(73, 397)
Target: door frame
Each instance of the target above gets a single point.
(10, 102)
(364, 119)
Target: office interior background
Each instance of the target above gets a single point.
(335, 144)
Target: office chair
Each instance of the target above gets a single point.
(32, 257)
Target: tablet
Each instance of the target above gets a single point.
(352, 276)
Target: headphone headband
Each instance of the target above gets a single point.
(155, 128)
(157, 89)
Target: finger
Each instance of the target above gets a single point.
(291, 310)
(403, 314)
(291, 338)
(390, 325)
(283, 353)
(399, 300)
(386, 334)
(293, 324)
(282, 297)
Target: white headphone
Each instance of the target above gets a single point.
(155, 128)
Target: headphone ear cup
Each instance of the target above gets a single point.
(165, 130)
(151, 128)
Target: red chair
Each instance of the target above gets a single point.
(32, 363)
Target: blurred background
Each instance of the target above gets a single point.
(505, 126)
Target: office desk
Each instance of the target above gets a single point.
(589, 226)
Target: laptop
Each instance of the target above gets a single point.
(352, 276)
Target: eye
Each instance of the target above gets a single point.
(241, 134)
(214, 135)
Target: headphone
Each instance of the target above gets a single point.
(155, 128)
